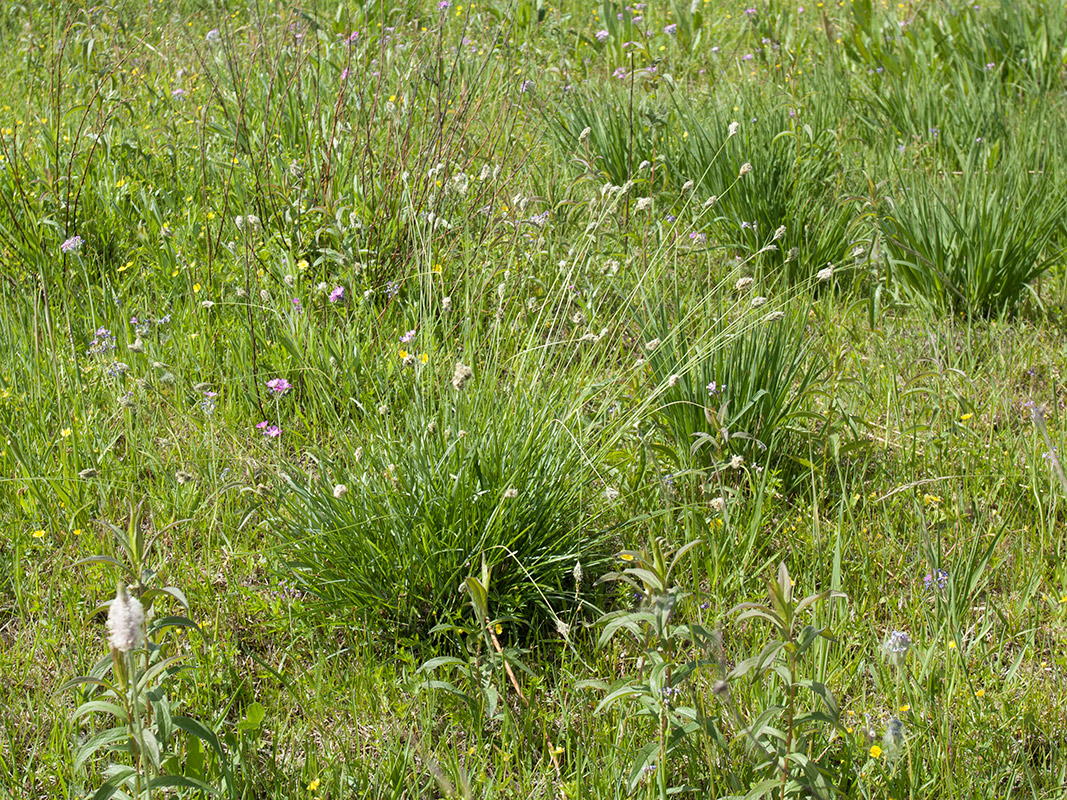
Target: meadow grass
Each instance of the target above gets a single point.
(532, 399)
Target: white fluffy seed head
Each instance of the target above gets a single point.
(462, 374)
(125, 622)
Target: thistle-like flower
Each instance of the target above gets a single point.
(125, 622)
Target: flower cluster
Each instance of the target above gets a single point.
(103, 342)
(268, 430)
(937, 579)
(72, 245)
(279, 386)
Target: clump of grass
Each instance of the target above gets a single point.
(439, 486)
(734, 376)
(975, 242)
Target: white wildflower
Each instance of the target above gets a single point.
(732, 130)
(745, 169)
(825, 273)
(340, 490)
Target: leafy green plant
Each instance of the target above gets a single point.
(151, 747)
(672, 658)
(786, 746)
(489, 666)
(677, 663)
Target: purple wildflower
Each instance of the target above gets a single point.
(938, 578)
(273, 431)
(671, 29)
(279, 385)
(72, 245)
(407, 337)
(602, 35)
(103, 342)
(337, 293)
(392, 289)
